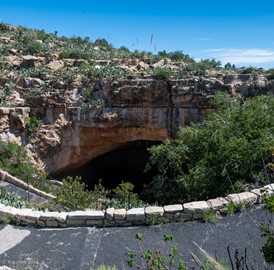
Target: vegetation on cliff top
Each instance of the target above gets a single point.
(85, 60)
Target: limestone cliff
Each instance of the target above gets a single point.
(67, 111)
(133, 110)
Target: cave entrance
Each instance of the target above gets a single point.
(127, 163)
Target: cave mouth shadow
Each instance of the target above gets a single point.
(127, 163)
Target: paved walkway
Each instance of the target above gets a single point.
(85, 248)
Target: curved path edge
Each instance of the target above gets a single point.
(132, 217)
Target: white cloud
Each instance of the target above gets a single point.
(204, 39)
(242, 56)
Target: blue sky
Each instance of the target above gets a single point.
(240, 32)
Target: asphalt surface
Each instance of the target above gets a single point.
(86, 248)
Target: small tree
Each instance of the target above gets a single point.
(73, 194)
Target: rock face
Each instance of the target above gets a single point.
(135, 110)
(121, 111)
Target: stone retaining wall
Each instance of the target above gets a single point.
(136, 216)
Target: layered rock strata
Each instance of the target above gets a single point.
(76, 129)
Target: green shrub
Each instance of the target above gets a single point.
(230, 208)
(155, 259)
(33, 47)
(162, 73)
(15, 160)
(210, 216)
(4, 219)
(124, 197)
(88, 93)
(270, 74)
(248, 70)
(176, 56)
(6, 92)
(268, 233)
(73, 194)
(32, 123)
(155, 219)
(240, 206)
(230, 149)
(75, 53)
(8, 199)
(93, 104)
(101, 42)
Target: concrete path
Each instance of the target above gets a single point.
(85, 248)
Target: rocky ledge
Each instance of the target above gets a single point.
(75, 127)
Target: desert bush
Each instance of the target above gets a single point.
(15, 160)
(101, 42)
(32, 123)
(9, 199)
(5, 93)
(248, 70)
(155, 259)
(162, 73)
(93, 104)
(123, 196)
(267, 230)
(226, 152)
(179, 56)
(270, 74)
(73, 194)
(210, 215)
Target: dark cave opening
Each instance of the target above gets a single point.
(126, 163)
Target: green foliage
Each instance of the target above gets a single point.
(162, 73)
(8, 199)
(32, 123)
(33, 47)
(6, 91)
(88, 93)
(248, 70)
(15, 160)
(229, 66)
(93, 104)
(4, 219)
(75, 53)
(230, 208)
(210, 216)
(235, 207)
(240, 206)
(175, 56)
(73, 194)
(101, 42)
(155, 219)
(124, 197)
(198, 68)
(156, 259)
(268, 233)
(269, 202)
(270, 74)
(229, 150)
(125, 190)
